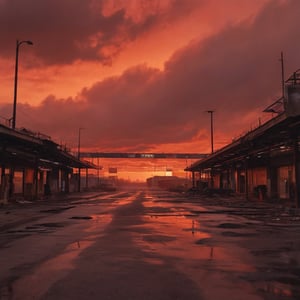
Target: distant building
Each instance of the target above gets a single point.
(168, 182)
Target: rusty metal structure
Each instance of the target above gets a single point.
(33, 166)
(264, 163)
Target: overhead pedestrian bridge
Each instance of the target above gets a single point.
(142, 155)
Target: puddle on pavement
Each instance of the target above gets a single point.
(181, 237)
(36, 228)
(166, 235)
(237, 234)
(103, 197)
(36, 284)
(81, 217)
(231, 225)
(98, 222)
(127, 198)
(52, 270)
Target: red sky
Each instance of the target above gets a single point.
(139, 75)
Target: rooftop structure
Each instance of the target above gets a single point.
(265, 158)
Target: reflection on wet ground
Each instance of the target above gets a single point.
(48, 272)
(41, 228)
(115, 199)
(180, 232)
(225, 255)
(51, 270)
(101, 219)
(180, 237)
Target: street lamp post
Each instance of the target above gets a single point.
(18, 44)
(211, 112)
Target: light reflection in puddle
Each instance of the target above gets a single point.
(36, 284)
(157, 211)
(181, 242)
(172, 236)
(127, 200)
(199, 255)
(173, 207)
(98, 222)
(181, 237)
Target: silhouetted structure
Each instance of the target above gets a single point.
(142, 155)
(263, 163)
(33, 166)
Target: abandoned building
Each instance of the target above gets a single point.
(263, 163)
(33, 166)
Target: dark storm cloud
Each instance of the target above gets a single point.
(64, 31)
(235, 72)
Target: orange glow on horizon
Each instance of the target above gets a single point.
(139, 76)
(140, 169)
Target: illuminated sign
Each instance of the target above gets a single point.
(147, 155)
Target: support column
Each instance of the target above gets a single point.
(3, 186)
(233, 185)
(36, 179)
(246, 181)
(11, 183)
(211, 178)
(67, 181)
(86, 178)
(193, 178)
(297, 173)
(79, 179)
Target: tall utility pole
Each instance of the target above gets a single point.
(211, 112)
(18, 44)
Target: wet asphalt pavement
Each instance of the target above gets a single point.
(148, 244)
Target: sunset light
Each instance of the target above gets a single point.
(140, 75)
(149, 149)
